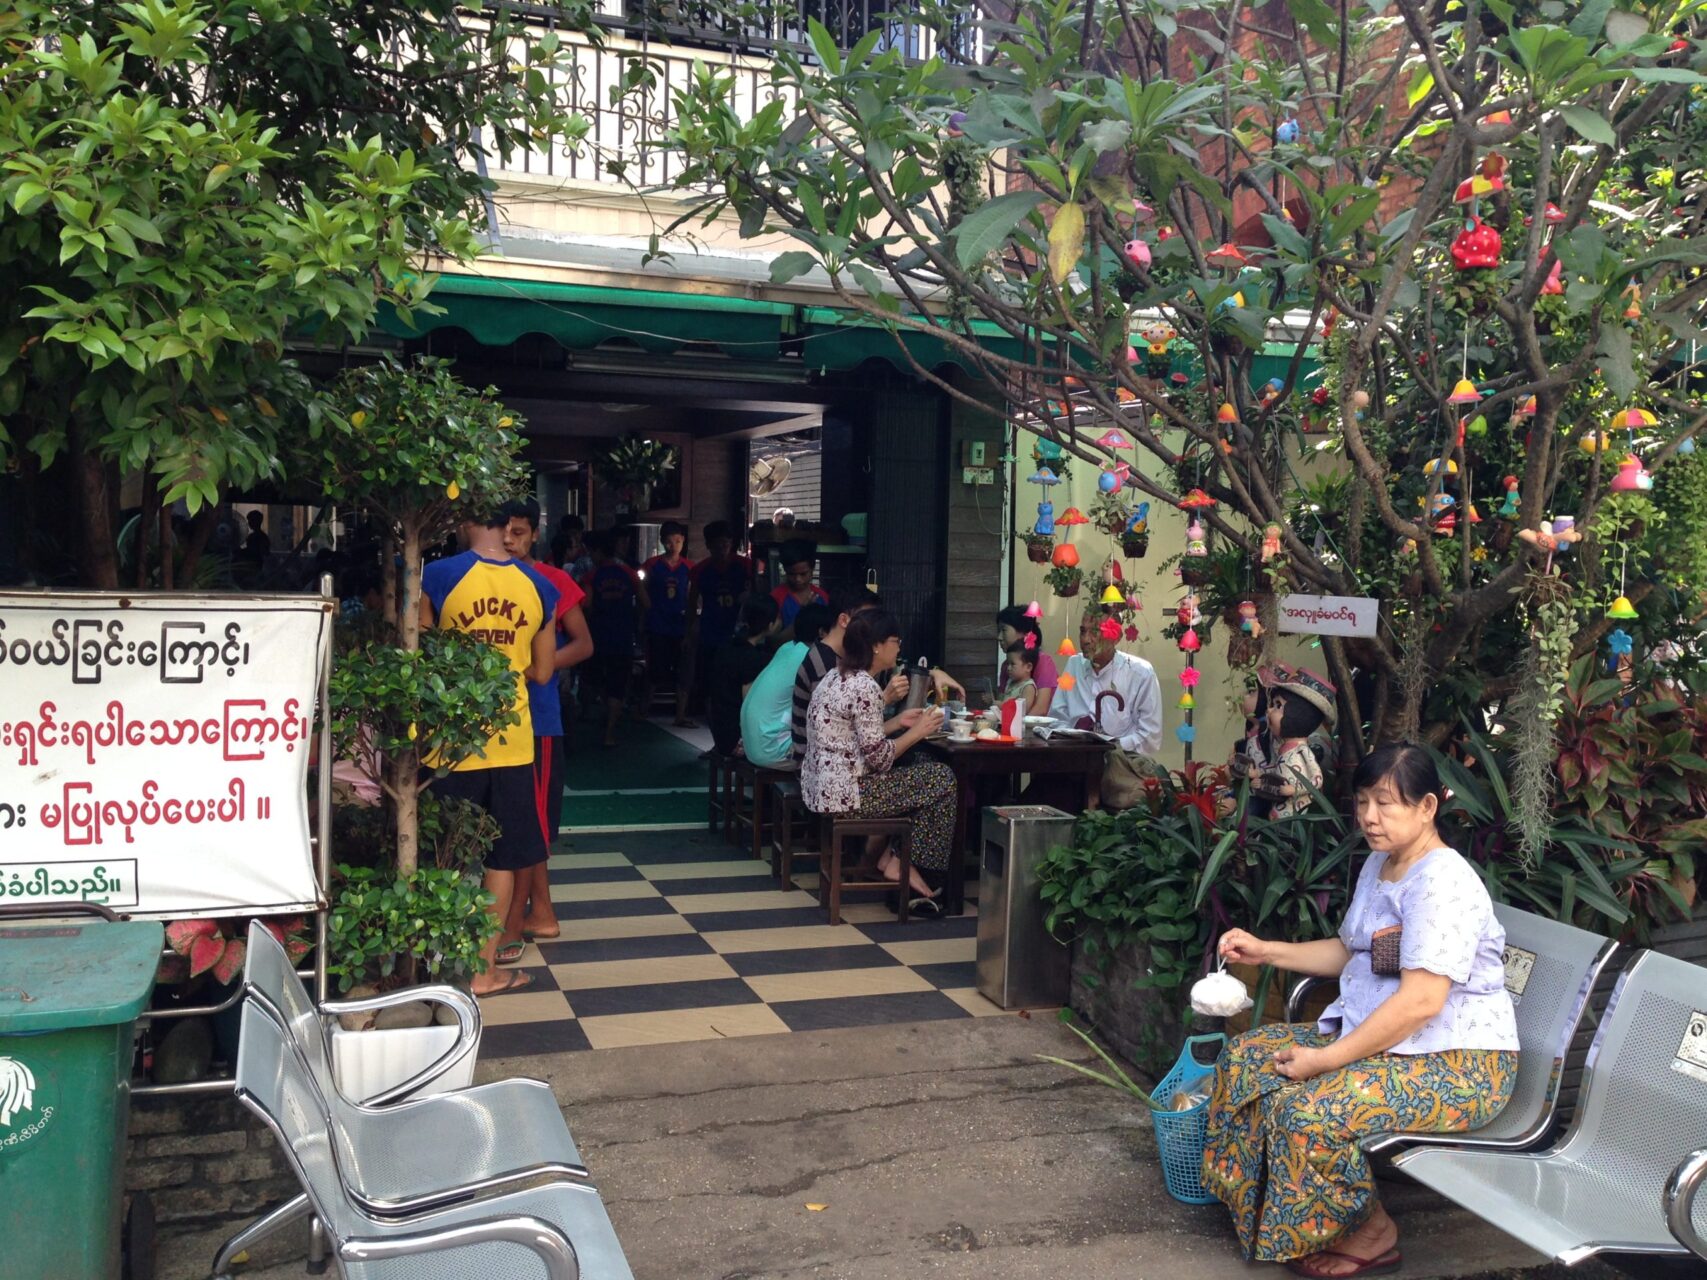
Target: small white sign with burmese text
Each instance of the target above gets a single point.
(1329, 615)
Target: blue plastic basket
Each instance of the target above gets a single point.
(1180, 1135)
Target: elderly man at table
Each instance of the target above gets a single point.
(1134, 718)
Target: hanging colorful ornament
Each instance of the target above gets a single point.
(1248, 619)
(1549, 538)
(1227, 255)
(1113, 438)
(1066, 680)
(1189, 642)
(1620, 645)
(1131, 633)
(1187, 702)
(1072, 516)
(956, 124)
(1622, 609)
(1034, 610)
(1030, 640)
(1141, 211)
(1508, 508)
(1190, 676)
(1227, 416)
(1286, 131)
(1109, 629)
(1138, 253)
(1442, 466)
(1045, 526)
(1271, 391)
(1270, 542)
(1196, 541)
(1196, 500)
(1157, 336)
(1464, 392)
(1109, 481)
(1632, 476)
(1043, 476)
(1565, 533)
(1686, 446)
(1065, 556)
(1067, 648)
(1526, 408)
(1633, 302)
(1189, 613)
(1554, 284)
(1476, 247)
(1185, 733)
(1631, 419)
(1111, 595)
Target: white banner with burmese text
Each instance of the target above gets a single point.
(154, 751)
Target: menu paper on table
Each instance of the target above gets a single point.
(154, 751)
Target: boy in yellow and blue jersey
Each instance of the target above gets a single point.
(485, 593)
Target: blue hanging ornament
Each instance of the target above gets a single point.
(1286, 131)
(1185, 733)
(1621, 645)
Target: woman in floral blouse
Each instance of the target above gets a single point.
(850, 761)
(1423, 1037)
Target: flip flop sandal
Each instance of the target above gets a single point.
(928, 907)
(512, 952)
(529, 936)
(1387, 1262)
(519, 981)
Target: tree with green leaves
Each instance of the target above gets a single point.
(1481, 226)
(186, 186)
(415, 449)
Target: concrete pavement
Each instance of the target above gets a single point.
(941, 1149)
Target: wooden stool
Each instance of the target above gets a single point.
(719, 796)
(787, 808)
(752, 789)
(837, 828)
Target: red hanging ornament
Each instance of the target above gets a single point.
(1476, 247)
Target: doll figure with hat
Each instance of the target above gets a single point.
(1299, 708)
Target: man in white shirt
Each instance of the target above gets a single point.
(1134, 718)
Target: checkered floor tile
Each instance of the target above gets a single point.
(670, 936)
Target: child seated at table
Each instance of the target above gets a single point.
(1021, 679)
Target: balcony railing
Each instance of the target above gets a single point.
(626, 128)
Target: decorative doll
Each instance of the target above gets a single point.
(1270, 542)
(1508, 508)
(1297, 709)
(1157, 336)
(1248, 619)
(1196, 541)
(1045, 526)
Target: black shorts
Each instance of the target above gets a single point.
(607, 674)
(507, 793)
(663, 658)
(548, 786)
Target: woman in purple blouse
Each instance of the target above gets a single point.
(1422, 1038)
(850, 761)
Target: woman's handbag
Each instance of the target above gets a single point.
(1124, 777)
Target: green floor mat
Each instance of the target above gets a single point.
(633, 811)
(645, 757)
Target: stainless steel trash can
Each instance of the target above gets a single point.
(1020, 965)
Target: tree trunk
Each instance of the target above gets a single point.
(201, 533)
(406, 775)
(388, 582)
(97, 548)
(144, 524)
(168, 579)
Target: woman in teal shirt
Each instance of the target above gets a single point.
(766, 712)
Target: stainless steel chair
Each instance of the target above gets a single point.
(558, 1231)
(1626, 1176)
(1551, 972)
(393, 1154)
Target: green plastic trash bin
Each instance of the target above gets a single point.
(70, 993)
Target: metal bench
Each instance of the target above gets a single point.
(1625, 1177)
(558, 1231)
(1551, 972)
(391, 1149)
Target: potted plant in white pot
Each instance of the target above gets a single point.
(413, 448)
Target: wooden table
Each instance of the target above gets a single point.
(1040, 757)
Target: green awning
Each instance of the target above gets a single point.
(498, 312)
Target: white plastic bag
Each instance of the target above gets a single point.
(1219, 994)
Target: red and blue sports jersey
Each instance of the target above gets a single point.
(611, 598)
(720, 592)
(788, 608)
(544, 703)
(504, 603)
(667, 593)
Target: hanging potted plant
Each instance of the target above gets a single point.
(1065, 577)
(633, 466)
(1038, 547)
(1110, 513)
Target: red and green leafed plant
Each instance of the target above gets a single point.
(217, 947)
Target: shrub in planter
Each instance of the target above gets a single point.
(433, 921)
(1039, 548)
(1135, 546)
